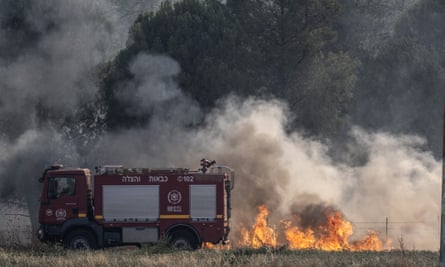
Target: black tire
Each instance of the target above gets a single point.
(79, 239)
(183, 240)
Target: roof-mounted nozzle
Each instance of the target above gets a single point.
(205, 164)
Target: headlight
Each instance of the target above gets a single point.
(40, 234)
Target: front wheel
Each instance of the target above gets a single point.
(79, 239)
(183, 240)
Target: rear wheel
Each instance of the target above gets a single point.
(183, 240)
(79, 239)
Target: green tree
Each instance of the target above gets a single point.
(296, 59)
(324, 93)
(401, 89)
(201, 35)
(278, 48)
(286, 34)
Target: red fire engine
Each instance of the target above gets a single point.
(120, 206)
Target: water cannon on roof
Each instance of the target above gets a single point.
(206, 164)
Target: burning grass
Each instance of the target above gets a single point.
(299, 241)
(328, 230)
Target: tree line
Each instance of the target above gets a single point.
(336, 63)
(302, 52)
(271, 49)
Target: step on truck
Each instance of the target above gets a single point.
(133, 206)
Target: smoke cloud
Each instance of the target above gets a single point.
(288, 172)
(49, 54)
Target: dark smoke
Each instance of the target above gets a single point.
(49, 52)
(314, 216)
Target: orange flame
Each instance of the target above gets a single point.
(260, 234)
(219, 246)
(332, 236)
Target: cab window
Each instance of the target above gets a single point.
(61, 186)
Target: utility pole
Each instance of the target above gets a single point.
(442, 220)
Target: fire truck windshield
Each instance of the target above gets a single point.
(61, 186)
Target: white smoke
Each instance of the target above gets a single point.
(152, 84)
(398, 181)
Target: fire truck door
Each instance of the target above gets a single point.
(62, 200)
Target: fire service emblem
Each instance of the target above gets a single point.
(49, 212)
(60, 214)
(174, 197)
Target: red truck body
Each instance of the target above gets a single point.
(119, 206)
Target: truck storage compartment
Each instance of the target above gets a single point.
(202, 202)
(130, 203)
(139, 234)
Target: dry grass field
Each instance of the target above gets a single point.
(160, 255)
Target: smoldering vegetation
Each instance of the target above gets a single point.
(50, 83)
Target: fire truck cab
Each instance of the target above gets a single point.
(119, 206)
